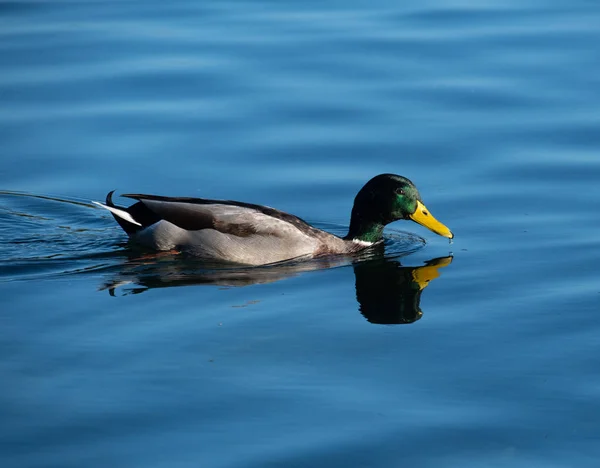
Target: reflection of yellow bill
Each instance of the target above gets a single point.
(423, 275)
(424, 218)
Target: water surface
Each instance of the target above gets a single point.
(479, 353)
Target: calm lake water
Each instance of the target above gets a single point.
(480, 353)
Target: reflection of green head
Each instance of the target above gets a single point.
(389, 293)
(386, 293)
(384, 199)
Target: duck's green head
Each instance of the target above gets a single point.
(387, 198)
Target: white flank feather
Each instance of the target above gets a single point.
(120, 213)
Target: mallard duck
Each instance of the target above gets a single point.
(256, 235)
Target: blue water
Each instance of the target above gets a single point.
(483, 352)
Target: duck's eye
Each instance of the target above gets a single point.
(399, 191)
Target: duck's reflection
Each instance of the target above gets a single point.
(387, 292)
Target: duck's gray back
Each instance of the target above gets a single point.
(232, 232)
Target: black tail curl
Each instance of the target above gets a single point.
(138, 211)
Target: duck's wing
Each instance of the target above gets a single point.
(221, 229)
(228, 217)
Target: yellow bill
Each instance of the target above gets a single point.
(424, 218)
